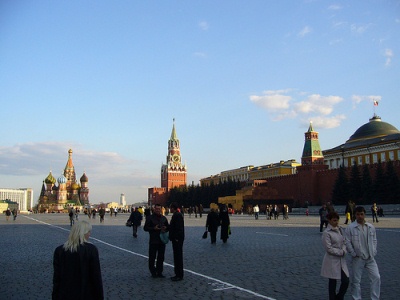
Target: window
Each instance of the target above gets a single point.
(359, 160)
(383, 157)
(374, 158)
(367, 159)
(391, 155)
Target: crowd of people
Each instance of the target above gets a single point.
(358, 241)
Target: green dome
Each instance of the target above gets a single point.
(50, 179)
(374, 128)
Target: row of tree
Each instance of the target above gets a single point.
(194, 195)
(363, 188)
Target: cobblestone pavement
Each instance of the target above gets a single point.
(263, 259)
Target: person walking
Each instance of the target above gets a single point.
(154, 225)
(334, 264)
(212, 224)
(102, 213)
(76, 264)
(71, 215)
(8, 214)
(177, 236)
(256, 211)
(374, 211)
(14, 213)
(225, 222)
(136, 219)
(361, 243)
(322, 218)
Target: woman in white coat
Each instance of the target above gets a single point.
(334, 264)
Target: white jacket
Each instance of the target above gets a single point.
(334, 260)
(353, 241)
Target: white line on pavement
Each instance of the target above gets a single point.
(226, 284)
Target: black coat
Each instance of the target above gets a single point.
(177, 227)
(136, 218)
(77, 275)
(212, 222)
(151, 222)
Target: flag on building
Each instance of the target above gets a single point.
(376, 103)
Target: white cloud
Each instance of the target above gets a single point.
(335, 7)
(306, 30)
(388, 54)
(204, 25)
(357, 99)
(200, 54)
(330, 122)
(281, 104)
(359, 29)
(272, 100)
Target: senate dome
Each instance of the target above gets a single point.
(375, 128)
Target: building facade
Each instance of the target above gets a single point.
(23, 197)
(312, 182)
(173, 172)
(61, 193)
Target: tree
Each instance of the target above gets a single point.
(379, 185)
(355, 184)
(366, 186)
(392, 184)
(340, 193)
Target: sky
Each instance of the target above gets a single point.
(242, 79)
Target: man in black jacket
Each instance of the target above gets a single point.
(177, 236)
(156, 223)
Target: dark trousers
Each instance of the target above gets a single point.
(177, 248)
(156, 250)
(344, 284)
(321, 225)
(213, 235)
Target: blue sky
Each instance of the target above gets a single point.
(242, 79)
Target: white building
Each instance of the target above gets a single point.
(24, 197)
(122, 200)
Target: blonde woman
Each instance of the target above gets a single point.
(77, 273)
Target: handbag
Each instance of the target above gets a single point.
(205, 234)
(164, 236)
(128, 223)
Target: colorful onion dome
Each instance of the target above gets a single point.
(50, 179)
(62, 179)
(84, 178)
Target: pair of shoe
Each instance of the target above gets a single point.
(176, 278)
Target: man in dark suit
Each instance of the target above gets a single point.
(177, 236)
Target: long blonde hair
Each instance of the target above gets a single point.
(77, 235)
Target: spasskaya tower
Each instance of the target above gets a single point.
(173, 173)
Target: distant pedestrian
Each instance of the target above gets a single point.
(77, 273)
(154, 225)
(14, 213)
(212, 225)
(115, 211)
(136, 219)
(322, 218)
(8, 214)
(374, 211)
(102, 213)
(334, 264)
(71, 215)
(177, 236)
(225, 223)
(361, 243)
(256, 211)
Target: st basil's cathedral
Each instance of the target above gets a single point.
(63, 192)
